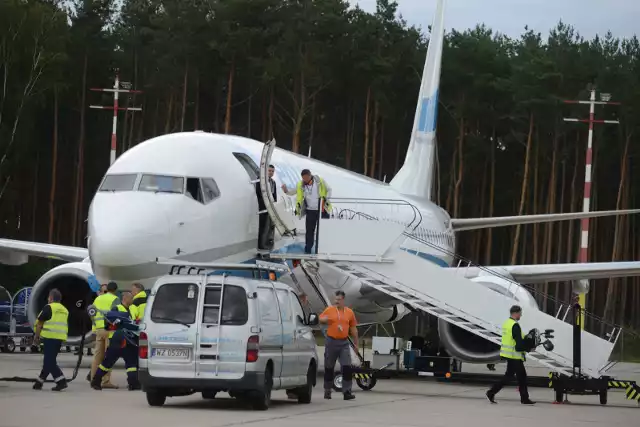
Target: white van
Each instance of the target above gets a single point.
(256, 341)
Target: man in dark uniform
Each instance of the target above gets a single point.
(265, 225)
(513, 351)
(52, 326)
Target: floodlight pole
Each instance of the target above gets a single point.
(584, 238)
(116, 91)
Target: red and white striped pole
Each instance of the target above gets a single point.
(114, 128)
(584, 236)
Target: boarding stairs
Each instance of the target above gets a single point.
(381, 244)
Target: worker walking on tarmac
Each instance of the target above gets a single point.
(120, 346)
(513, 350)
(52, 326)
(341, 323)
(312, 194)
(103, 304)
(139, 303)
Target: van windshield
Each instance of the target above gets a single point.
(235, 310)
(175, 303)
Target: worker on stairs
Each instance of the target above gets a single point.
(266, 227)
(513, 349)
(123, 344)
(312, 200)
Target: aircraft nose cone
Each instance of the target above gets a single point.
(125, 230)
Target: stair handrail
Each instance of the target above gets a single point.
(565, 307)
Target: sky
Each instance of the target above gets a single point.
(588, 17)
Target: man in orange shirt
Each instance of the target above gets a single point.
(341, 322)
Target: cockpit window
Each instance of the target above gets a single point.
(249, 165)
(119, 182)
(162, 184)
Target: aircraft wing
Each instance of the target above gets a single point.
(539, 273)
(17, 252)
(502, 221)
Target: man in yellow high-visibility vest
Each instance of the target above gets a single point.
(512, 349)
(103, 303)
(52, 326)
(312, 201)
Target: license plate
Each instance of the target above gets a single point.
(177, 353)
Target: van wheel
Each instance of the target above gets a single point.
(155, 398)
(304, 393)
(10, 346)
(209, 394)
(262, 399)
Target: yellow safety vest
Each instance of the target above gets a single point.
(138, 306)
(322, 192)
(508, 345)
(102, 303)
(57, 327)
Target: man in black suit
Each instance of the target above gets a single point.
(266, 227)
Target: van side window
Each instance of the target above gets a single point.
(175, 303)
(235, 310)
(298, 310)
(249, 165)
(268, 305)
(285, 305)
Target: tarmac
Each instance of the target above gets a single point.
(393, 403)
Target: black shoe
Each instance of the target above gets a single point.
(60, 385)
(349, 396)
(37, 385)
(89, 376)
(491, 397)
(132, 387)
(528, 402)
(96, 385)
(327, 395)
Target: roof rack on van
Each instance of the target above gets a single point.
(201, 267)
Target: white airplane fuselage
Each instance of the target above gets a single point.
(130, 227)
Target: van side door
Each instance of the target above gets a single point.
(289, 350)
(303, 335)
(271, 332)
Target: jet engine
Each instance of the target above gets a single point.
(71, 280)
(471, 348)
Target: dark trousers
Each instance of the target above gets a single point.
(312, 217)
(265, 231)
(130, 355)
(514, 367)
(51, 348)
(334, 350)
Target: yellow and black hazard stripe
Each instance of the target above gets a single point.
(362, 376)
(633, 392)
(620, 384)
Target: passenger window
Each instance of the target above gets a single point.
(175, 303)
(268, 305)
(194, 190)
(298, 310)
(249, 165)
(285, 305)
(210, 189)
(124, 182)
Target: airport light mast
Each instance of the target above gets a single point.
(605, 99)
(126, 88)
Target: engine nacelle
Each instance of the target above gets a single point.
(471, 348)
(72, 281)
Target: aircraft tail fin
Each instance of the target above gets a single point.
(415, 178)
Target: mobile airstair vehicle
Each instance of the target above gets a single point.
(390, 258)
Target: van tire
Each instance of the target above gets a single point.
(262, 398)
(304, 393)
(155, 398)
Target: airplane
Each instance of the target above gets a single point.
(191, 196)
